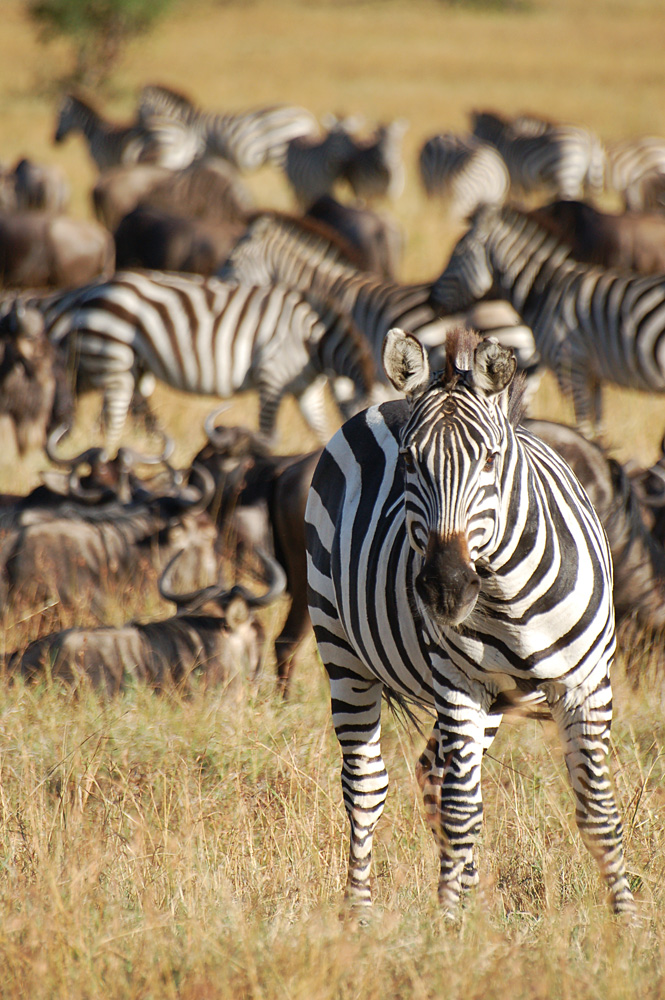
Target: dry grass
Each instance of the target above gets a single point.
(163, 847)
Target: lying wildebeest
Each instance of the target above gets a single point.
(634, 240)
(35, 393)
(376, 238)
(637, 548)
(214, 633)
(210, 191)
(38, 249)
(73, 549)
(153, 238)
(260, 501)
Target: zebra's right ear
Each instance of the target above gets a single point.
(405, 362)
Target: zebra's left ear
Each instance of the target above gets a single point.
(405, 362)
(494, 367)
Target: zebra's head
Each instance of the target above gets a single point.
(453, 448)
(66, 118)
(469, 275)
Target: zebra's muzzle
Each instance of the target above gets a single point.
(448, 584)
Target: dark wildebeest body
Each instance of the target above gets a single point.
(376, 238)
(260, 500)
(225, 644)
(634, 240)
(38, 250)
(152, 238)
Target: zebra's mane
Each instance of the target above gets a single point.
(331, 244)
(461, 343)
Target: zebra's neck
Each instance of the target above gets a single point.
(526, 260)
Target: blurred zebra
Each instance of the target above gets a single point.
(313, 165)
(281, 249)
(541, 154)
(634, 168)
(454, 561)
(590, 324)
(202, 335)
(465, 171)
(376, 168)
(110, 145)
(247, 139)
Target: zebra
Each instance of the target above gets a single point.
(203, 335)
(565, 158)
(633, 168)
(247, 139)
(313, 165)
(590, 324)
(376, 168)
(454, 561)
(279, 248)
(110, 145)
(465, 170)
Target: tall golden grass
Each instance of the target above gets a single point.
(192, 847)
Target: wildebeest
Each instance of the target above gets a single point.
(210, 191)
(73, 550)
(214, 633)
(38, 249)
(260, 500)
(376, 238)
(153, 238)
(634, 240)
(37, 186)
(34, 389)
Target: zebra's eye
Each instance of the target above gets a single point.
(489, 462)
(409, 460)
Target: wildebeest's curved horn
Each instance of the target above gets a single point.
(219, 437)
(275, 579)
(90, 455)
(197, 497)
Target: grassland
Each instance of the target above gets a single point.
(170, 847)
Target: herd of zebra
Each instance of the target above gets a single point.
(459, 558)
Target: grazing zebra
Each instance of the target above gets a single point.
(376, 168)
(202, 335)
(541, 154)
(313, 165)
(247, 139)
(464, 170)
(633, 168)
(111, 145)
(590, 324)
(454, 561)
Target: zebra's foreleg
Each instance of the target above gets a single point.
(356, 705)
(584, 731)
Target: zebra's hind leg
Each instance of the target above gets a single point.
(584, 731)
(356, 705)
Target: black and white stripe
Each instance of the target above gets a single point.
(313, 165)
(465, 171)
(280, 249)
(246, 139)
(590, 324)
(565, 159)
(634, 168)
(455, 561)
(203, 335)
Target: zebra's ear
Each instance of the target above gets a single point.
(405, 362)
(494, 367)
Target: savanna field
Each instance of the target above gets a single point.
(163, 846)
